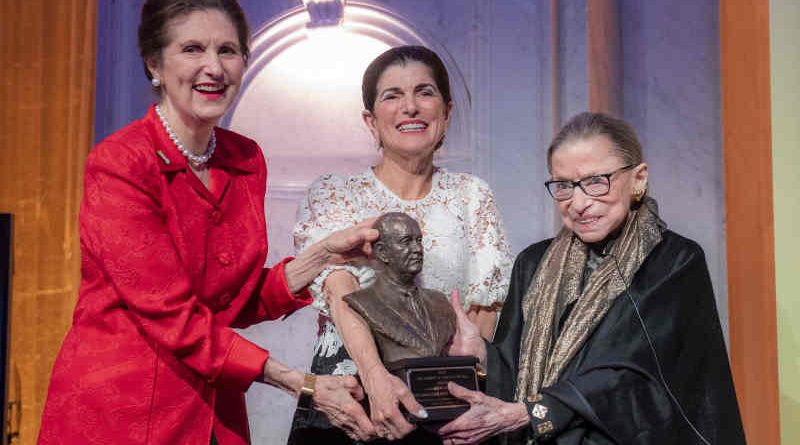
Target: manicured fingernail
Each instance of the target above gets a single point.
(422, 414)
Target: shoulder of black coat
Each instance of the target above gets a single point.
(678, 247)
(534, 252)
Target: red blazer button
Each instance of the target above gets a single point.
(216, 217)
(225, 299)
(224, 259)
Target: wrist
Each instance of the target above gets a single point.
(375, 374)
(517, 415)
(305, 396)
(281, 376)
(305, 267)
(319, 255)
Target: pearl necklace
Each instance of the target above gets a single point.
(197, 160)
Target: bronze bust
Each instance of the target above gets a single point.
(406, 321)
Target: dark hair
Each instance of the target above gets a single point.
(156, 15)
(586, 125)
(401, 55)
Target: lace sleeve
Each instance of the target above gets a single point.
(327, 207)
(489, 255)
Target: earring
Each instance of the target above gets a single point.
(155, 82)
(638, 195)
(439, 144)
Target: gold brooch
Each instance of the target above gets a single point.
(545, 427)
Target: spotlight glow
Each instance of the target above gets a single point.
(305, 104)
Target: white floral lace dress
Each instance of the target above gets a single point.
(463, 239)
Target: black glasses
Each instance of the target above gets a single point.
(597, 185)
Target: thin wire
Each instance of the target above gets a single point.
(655, 354)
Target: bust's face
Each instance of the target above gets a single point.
(402, 241)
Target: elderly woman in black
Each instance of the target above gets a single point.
(610, 332)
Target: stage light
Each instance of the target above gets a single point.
(324, 12)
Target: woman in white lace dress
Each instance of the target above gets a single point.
(407, 102)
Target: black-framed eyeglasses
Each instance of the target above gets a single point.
(597, 185)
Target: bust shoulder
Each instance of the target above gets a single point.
(364, 298)
(440, 307)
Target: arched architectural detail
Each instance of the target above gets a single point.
(307, 116)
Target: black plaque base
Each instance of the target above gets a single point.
(427, 379)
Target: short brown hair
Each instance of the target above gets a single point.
(157, 14)
(587, 124)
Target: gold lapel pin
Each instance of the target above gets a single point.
(163, 157)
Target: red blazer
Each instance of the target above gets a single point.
(168, 266)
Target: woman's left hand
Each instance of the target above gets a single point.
(487, 416)
(338, 398)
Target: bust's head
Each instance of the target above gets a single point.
(399, 247)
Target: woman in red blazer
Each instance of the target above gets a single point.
(173, 244)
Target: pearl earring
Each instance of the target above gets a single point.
(155, 82)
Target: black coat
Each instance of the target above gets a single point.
(612, 390)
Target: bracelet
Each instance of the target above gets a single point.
(304, 401)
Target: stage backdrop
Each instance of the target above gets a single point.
(519, 68)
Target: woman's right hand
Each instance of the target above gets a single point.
(386, 394)
(338, 398)
(340, 247)
(467, 339)
(487, 416)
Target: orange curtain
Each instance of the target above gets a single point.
(604, 61)
(747, 151)
(47, 90)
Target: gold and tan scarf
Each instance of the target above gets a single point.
(544, 354)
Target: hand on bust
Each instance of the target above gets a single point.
(487, 416)
(386, 393)
(351, 243)
(338, 398)
(467, 339)
(339, 247)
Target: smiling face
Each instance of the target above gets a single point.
(410, 116)
(200, 69)
(593, 218)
